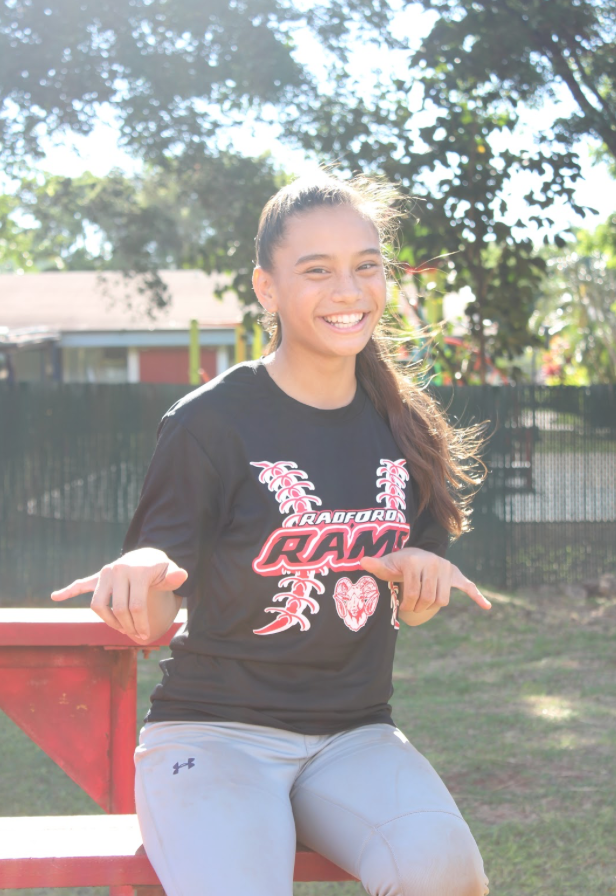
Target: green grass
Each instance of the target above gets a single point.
(574, 443)
(516, 710)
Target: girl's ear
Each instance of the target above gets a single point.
(263, 285)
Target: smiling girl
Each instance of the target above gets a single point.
(302, 505)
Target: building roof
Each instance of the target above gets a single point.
(77, 301)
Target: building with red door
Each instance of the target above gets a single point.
(76, 327)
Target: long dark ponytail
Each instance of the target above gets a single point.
(444, 460)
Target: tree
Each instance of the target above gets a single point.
(195, 212)
(174, 71)
(514, 52)
(458, 177)
(578, 305)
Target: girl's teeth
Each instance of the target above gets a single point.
(344, 320)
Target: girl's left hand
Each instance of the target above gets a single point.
(427, 579)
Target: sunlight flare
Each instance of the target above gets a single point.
(553, 708)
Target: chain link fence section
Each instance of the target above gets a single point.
(73, 458)
(547, 511)
(72, 461)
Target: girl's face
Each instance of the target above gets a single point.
(327, 283)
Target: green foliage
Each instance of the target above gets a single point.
(602, 240)
(458, 174)
(173, 72)
(480, 63)
(15, 243)
(195, 211)
(578, 305)
(175, 75)
(517, 51)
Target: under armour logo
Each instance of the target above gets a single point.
(179, 765)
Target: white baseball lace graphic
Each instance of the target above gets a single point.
(393, 476)
(289, 485)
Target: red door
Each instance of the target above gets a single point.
(170, 365)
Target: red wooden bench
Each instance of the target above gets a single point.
(100, 851)
(70, 682)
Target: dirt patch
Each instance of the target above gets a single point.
(503, 813)
(514, 778)
(528, 810)
(524, 793)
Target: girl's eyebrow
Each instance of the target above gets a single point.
(319, 256)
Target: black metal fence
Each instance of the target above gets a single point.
(73, 457)
(547, 511)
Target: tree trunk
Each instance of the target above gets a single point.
(480, 281)
(482, 352)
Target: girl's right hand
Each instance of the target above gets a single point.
(132, 594)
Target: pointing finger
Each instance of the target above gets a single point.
(460, 581)
(79, 586)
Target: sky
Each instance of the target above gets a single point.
(100, 151)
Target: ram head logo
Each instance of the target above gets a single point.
(356, 601)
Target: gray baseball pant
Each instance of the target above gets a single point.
(221, 804)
